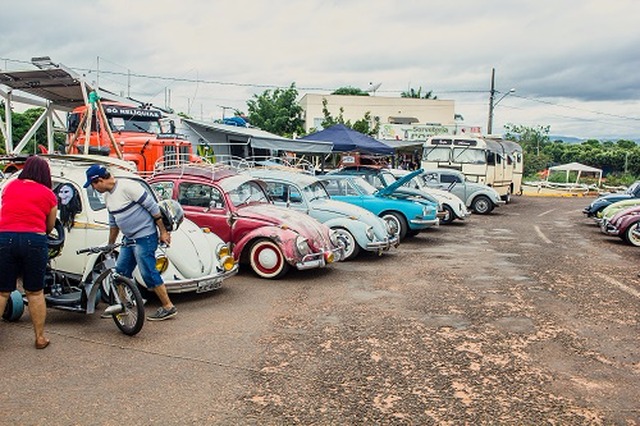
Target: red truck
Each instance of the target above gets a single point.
(131, 133)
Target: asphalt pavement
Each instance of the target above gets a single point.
(525, 316)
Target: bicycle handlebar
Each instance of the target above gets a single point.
(100, 249)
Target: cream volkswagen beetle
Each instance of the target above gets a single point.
(197, 259)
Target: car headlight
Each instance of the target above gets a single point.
(426, 211)
(227, 262)
(302, 245)
(370, 234)
(225, 257)
(223, 250)
(162, 263)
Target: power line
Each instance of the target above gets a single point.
(129, 74)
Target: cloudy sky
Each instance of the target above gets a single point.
(575, 64)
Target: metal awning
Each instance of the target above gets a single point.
(402, 144)
(56, 85)
(262, 139)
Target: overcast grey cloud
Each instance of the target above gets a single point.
(574, 63)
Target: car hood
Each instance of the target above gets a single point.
(341, 208)
(284, 217)
(623, 213)
(398, 184)
(612, 198)
(191, 250)
(606, 200)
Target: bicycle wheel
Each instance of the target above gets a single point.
(131, 319)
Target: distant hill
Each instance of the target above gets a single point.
(566, 139)
(573, 139)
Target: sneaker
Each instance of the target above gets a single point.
(163, 314)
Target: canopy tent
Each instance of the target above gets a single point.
(576, 167)
(256, 138)
(348, 140)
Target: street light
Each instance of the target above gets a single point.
(492, 104)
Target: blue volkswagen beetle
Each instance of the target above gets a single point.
(357, 228)
(407, 217)
(606, 200)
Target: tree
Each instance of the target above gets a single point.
(350, 91)
(531, 139)
(365, 125)
(412, 93)
(277, 112)
(20, 125)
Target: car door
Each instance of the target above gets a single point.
(453, 183)
(85, 220)
(285, 194)
(205, 205)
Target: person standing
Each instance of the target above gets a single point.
(27, 214)
(135, 212)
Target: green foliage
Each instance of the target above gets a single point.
(417, 94)
(620, 160)
(350, 91)
(531, 139)
(277, 112)
(20, 125)
(365, 125)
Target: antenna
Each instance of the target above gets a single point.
(373, 87)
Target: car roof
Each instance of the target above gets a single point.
(302, 179)
(205, 171)
(74, 167)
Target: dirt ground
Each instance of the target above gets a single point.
(526, 316)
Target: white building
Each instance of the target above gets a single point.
(400, 118)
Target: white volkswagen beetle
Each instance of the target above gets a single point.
(197, 259)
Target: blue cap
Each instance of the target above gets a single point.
(94, 172)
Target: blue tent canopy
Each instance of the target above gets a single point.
(346, 140)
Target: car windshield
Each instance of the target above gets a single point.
(364, 186)
(134, 124)
(316, 191)
(387, 178)
(633, 188)
(247, 193)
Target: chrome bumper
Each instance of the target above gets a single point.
(318, 260)
(425, 222)
(383, 245)
(202, 284)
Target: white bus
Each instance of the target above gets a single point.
(484, 159)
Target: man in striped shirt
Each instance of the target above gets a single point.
(135, 212)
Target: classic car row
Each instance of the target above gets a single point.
(264, 218)
(618, 214)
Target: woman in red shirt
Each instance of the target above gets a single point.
(27, 215)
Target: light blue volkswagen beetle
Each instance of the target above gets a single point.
(406, 216)
(356, 227)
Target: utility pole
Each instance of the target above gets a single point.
(492, 94)
(492, 104)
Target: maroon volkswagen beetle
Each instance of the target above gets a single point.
(623, 224)
(237, 208)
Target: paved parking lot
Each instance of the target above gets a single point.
(526, 316)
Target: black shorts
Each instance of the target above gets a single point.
(23, 254)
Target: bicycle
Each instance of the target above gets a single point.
(126, 305)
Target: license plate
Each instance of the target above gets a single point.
(209, 285)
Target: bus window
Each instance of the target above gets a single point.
(436, 154)
(491, 158)
(468, 155)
